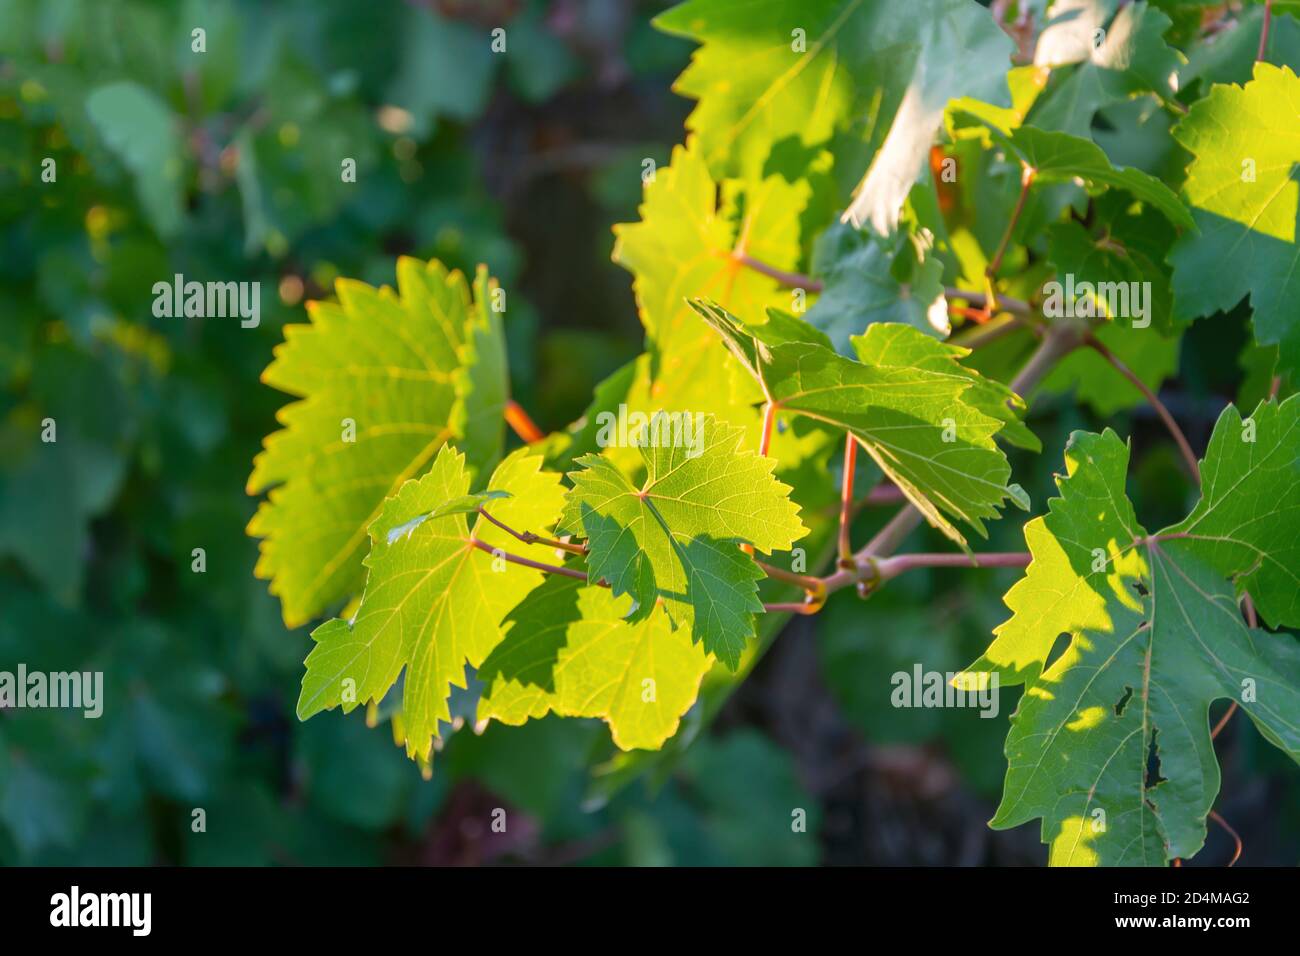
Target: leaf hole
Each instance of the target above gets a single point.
(1122, 703)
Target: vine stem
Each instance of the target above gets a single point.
(988, 332)
(793, 280)
(893, 567)
(846, 500)
(979, 300)
(1057, 342)
(1232, 833)
(529, 563)
(1184, 447)
(884, 494)
(1248, 609)
(521, 423)
(769, 419)
(1027, 174)
(1263, 33)
(527, 537)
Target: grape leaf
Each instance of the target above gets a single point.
(1111, 743)
(861, 287)
(1245, 198)
(1245, 523)
(569, 651)
(1131, 59)
(433, 602)
(1131, 251)
(894, 346)
(676, 538)
(1231, 57)
(914, 422)
(1060, 158)
(683, 246)
(410, 371)
(809, 69)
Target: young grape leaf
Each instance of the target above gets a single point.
(1060, 158)
(568, 650)
(772, 70)
(385, 380)
(1111, 744)
(433, 601)
(917, 424)
(685, 245)
(677, 538)
(1243, 190)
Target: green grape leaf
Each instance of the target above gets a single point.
(1245, 524)
(1110, 745)
(773, 70)
(1132, 59)
(861, 287)
(482, 379)
(900, 348)
(1245, 198)
(569, 651)
(1231, 57)
(683, 246)
(1061, 158)
(1130, 254)
(433, 602)
(386, 379)
(677, 538)
(916, 423)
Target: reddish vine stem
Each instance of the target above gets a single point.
(1184, 447)
(1232, 833)
(1223, 721)
(893, 567)
(980, 301)
(527, 537)
(791, 608)
(1263, 33)
(884, 494)
(846, 500)
(522, 425)
(529, 563)
(1248, 609)
(769, 419)
(987, 332)
(793, 280)
(809, 583)
(1027, 175)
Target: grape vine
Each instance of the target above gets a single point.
(815, 352)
